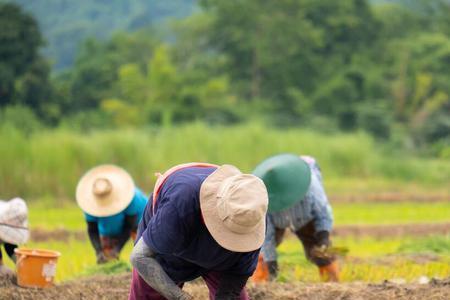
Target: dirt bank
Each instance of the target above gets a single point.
(64, 235)
(116, 287)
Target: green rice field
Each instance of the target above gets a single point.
(369, 259)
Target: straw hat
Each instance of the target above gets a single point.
(14, 221)
(234, 207)
(105, 191)
(287, 178)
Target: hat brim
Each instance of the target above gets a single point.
(120, 197)
(226, 238)
(12, 235)
(14, 216)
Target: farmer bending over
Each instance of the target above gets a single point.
(13, 229)
(205, 221)
(297, 200)
(112, 207)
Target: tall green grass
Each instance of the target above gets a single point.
(49, 163)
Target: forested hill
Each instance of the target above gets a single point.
(66, 22)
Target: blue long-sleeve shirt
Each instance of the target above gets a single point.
(314, 207)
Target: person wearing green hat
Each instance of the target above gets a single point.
(297, 200)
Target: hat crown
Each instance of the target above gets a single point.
(101, 187)
(287, 178)
(242, 202)
(105, 190)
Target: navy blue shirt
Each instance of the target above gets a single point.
(186, 249)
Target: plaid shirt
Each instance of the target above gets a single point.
(314, 207)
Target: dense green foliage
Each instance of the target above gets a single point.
(23, 72)
(327, 65)
(66, 24)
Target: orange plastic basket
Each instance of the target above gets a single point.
(36, 267)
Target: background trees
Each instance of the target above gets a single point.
(378, 66)
(24, 73)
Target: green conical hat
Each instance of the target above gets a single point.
(287, 178)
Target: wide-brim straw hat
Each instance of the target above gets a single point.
(287, 178)
(14, 221)
(105, 190)
(234, 207)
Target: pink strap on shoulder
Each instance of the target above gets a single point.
(163, 177)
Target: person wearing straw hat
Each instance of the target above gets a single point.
(297, 200)
(13, 229)
(112, 206)
(203, 221)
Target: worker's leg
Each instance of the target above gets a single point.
(4, 270)
(266, 271)
(272, 266)
(330, 272)
(140, 290)
(108, 246)
(261, 273)
(328, 267)
(133, 235)
(279, 235)
(212, 280)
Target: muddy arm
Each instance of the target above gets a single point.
(268, 249)
(143, 260)
(94, 236)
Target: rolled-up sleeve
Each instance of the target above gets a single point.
(321, 208)
(268, 249)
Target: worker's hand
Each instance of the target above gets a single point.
(321, 252)
(322, 245)
(101, 258)
(322, 238)
(113, 254)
